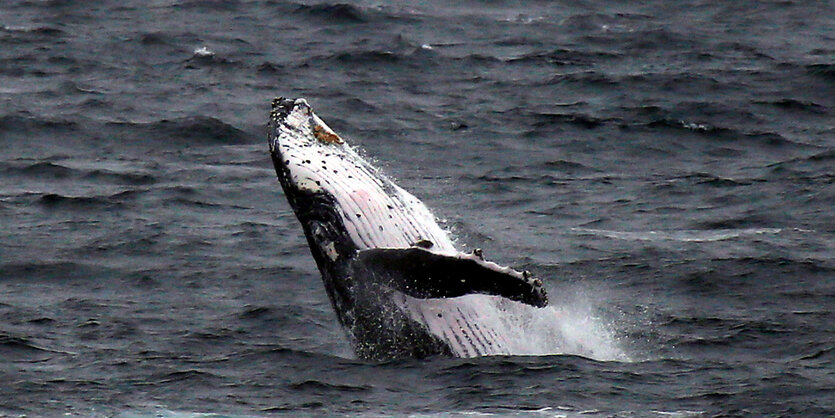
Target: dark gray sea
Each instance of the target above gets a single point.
(666, 167)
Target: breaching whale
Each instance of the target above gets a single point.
(397, 283)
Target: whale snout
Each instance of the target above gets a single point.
(295, 116)
(282, 106)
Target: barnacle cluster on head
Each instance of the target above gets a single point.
(326, 135)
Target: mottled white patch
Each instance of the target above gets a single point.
(306, 183)
(330, 250)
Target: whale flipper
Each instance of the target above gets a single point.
(424, 274)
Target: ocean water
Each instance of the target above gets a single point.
(666, 168)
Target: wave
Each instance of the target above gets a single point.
(542, 120)
(635, 41)
(584, 22)
(375, 57)
(332, 13)
(204, 57)
(826, 157)
(569, 167)
(196, 129)
(722, 332)
(422, 56)
(121, 178)
(771, 139)
(188, 376)
(156, 38)
(799, 265)
(257, 353)
(653, 118)
(131, 246)
(26, 123)
(319, 387)
(826, 71)
(270, 68)
(793, 104)
(208, 6)
(820, 354)
(48, 30)
(586, 79)
(255, 312)
(680, 82)
(750, 222)
(192, 129)
(576, 119)
(12, 343)
(47, 169)
(19, 349)
(717, 181)
(26, 34)
(697, 235)
(55, 201)
(380, 58)
(42, 169)
(565, 57)
(48, 271)
(810, 169)
(194, 203)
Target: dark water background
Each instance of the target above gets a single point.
(666, 167)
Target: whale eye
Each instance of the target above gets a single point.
(478, 253)
(424, 243)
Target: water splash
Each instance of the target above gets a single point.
(576, 327)
(203, 52)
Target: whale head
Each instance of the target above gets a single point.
(308, 157)
(321, 172)
(303, 142)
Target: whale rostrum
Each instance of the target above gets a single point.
(397, 283)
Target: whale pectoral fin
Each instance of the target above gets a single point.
(423, 274)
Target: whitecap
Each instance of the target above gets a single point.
(203, 51)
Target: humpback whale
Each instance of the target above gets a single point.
(397, 283)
